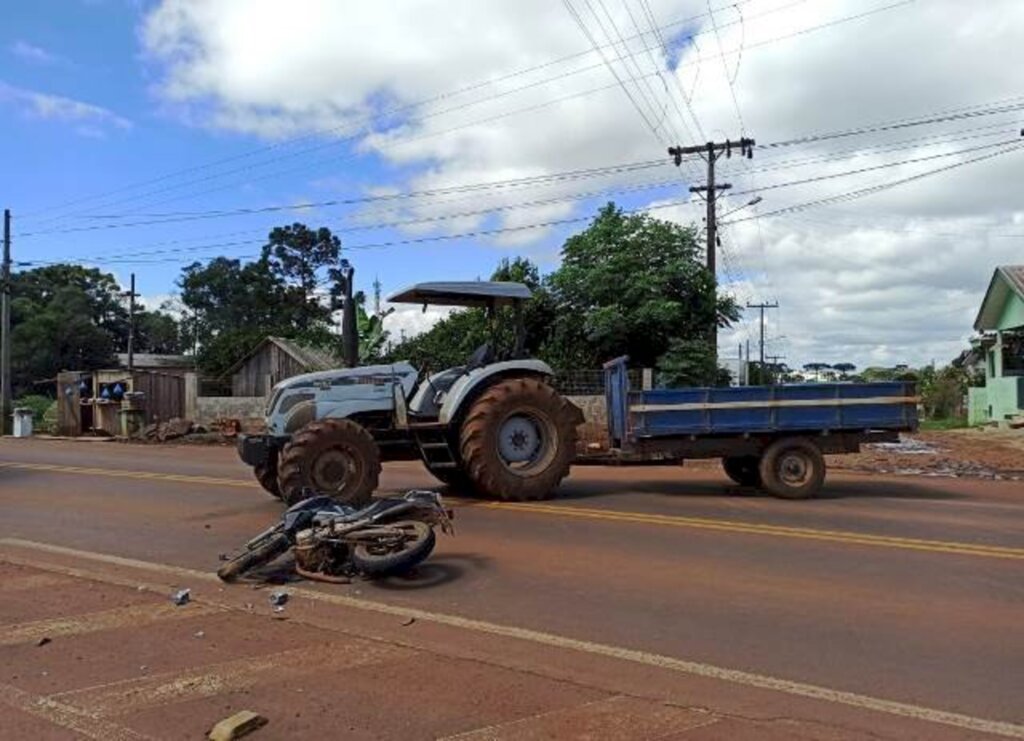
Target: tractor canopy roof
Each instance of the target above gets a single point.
(463, 293)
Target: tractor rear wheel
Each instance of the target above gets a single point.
(336, 457)
(518, 440)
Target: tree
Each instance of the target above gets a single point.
(631, 284)
(816, 368)
(56, 334)
(688, 363)
(157, 332)
(64, 317)
(628, 285)
(844, 368)
(232, 307)
(943, 391)
(305, 259)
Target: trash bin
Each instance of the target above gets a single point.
(22, 422)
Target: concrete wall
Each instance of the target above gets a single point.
(1000, 400)
(977, 405)
(248, 410)
(594, 432)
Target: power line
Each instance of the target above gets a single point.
(487, 120)
(171, 217)
(952, 115)
(860, 193)
(367, 119)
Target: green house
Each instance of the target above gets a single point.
(1000, 343)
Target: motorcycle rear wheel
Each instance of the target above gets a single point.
(376, 559)
(251, 559)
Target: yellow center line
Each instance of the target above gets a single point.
(123, 474)
(836, 536)
(697, 523)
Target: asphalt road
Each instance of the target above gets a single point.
(890, 606)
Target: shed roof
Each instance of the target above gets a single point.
(152, 360)
(310, 358)
(463, 293)
(1007, 282)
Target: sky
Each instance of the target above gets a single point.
(436, 138)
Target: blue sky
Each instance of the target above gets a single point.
(60, 152)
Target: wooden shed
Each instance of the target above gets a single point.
(273, 360)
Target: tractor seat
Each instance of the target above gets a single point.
(480, 357)
(429, 397)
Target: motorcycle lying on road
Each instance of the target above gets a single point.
(331, 540)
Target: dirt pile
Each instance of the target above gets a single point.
(973, 453)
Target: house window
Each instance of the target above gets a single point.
(1013, 353)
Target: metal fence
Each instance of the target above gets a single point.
(589, 382)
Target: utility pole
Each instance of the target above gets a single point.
(711, 152)
(762, 306)
(5, 328)
(774, 360)
(132, 295)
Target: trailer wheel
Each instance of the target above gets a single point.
(743, 469)
(792, 468)
(518, 440)
(336, 457)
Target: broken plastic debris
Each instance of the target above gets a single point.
(181, 597)
(278, 598)
(199, 634)
(43, 641)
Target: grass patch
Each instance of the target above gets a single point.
(953, 423)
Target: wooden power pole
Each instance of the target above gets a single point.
(762, 306)
(711, 152)
(5, 328)
(132, 295)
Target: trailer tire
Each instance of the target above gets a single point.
(792, 468)
(743, 469)
(518, 440)
(336, 457)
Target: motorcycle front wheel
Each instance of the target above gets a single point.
(387, 555)
(262, 554)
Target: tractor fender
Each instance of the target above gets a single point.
(465, 389)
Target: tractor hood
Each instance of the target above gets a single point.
(402, 372)
(365, 388)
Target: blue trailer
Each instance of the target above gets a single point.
(773, 437)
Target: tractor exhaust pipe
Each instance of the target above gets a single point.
(349, 328)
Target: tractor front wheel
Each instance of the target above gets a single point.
(518, 440)
(266, 475)
(336, 457)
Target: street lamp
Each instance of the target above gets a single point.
(752, 202)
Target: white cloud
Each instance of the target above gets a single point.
(894, 277)
(32, 53)
(89, 120)
(408, 321)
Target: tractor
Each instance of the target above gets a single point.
(493, 426)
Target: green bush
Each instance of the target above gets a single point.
(36, 402)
